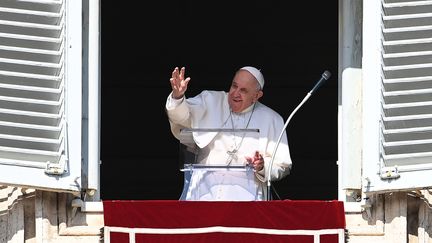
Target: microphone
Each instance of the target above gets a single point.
(326, 75)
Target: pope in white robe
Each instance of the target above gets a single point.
(238, 108)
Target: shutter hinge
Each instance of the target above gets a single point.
(389, 173)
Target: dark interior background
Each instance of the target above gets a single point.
(292, 42)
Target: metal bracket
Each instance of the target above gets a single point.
(55, 168)
(367, 206)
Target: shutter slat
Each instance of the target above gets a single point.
(37, 5)
(396, 85)
(407, 159)
(30, 13)
(411, 7)
(29, 79)
(407, 110)
(406, 34)
(413, 71)
(402, 61)
(30, 142)
(34, 155)
(32, 105)
(22, 129)
(401, 46)
(407, 134)
(31, 92)
(43, 56)
(407, 96)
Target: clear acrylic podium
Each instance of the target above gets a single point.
(206, 155)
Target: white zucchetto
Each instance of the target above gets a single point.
(256, 73)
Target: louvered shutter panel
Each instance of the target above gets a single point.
(33, 120)
(406, 95)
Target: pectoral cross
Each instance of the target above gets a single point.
(232, 155)
(232, 152)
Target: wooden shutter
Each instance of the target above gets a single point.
(35, 92)
(405, 153)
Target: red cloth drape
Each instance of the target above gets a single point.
(262, 215)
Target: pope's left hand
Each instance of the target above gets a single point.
(257, 161)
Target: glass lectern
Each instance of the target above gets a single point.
(217, 158)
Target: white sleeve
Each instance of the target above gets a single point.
(172, 102)
(178, 114)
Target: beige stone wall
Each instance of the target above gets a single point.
(28, 215)
(397, 217)
(31, 216)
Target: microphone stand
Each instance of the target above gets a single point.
(325, 76)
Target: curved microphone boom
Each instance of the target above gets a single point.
(326, 75)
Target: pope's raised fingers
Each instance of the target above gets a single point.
(182, 72)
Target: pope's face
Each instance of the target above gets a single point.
(244, 91)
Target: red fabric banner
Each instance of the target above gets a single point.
(198, 221)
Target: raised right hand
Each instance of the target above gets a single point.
(178, 83)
